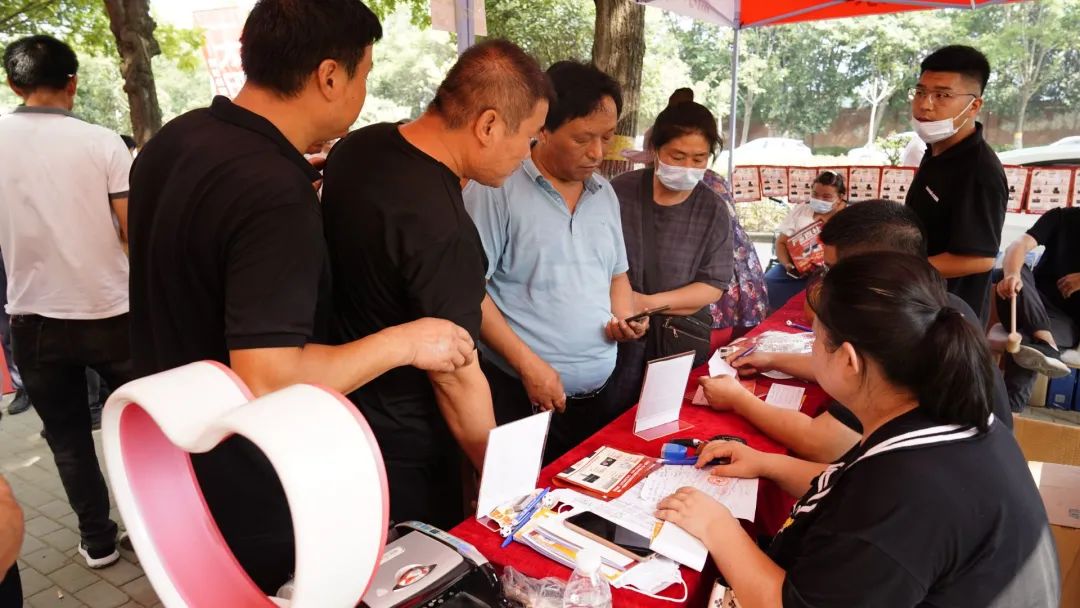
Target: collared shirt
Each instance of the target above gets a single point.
(227, 248)
(550, 271)
(921, 514)
(61, 245)
(960, 197)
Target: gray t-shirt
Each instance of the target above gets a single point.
(693, 238)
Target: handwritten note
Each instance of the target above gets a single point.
(785, 396)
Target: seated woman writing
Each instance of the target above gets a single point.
(935, 505)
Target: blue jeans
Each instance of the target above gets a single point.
(781, 287)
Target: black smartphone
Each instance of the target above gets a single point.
(610, 533)
(647, 313)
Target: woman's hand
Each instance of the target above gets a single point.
(743, 461)
(696, 512)
(754, 363)
(721, 392)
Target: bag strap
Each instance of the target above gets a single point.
(651, 270)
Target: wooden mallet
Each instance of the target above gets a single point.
(1013, 345)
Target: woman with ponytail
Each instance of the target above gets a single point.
(935, 506)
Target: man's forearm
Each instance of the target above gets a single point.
(953, 266)
(1016, 253)
(500, 337)
(464, 399)
(685, 300)
(622, 297)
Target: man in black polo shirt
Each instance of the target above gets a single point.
(1047, 301)
(402, 247)
(959, 191)
(228, 260)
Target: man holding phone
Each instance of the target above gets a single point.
(558, 295)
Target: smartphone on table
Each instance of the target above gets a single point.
(610, 534)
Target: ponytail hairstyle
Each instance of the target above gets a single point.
(892, 308)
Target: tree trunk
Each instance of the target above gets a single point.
(870, 130)
(749, 99)
(134, 32)
(1018, 135)
(619, 50)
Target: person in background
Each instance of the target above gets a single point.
(934, 506)
(678, 239)
(1047, 301)
(647, 155)
(874, 226)
(960, 191)
(403, 246)
(828, 196)
(224, 219)
(63, 228)
(21, 401)
(558, 295)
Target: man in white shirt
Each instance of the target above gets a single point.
(63, 227)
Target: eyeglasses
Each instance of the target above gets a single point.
(919, 94)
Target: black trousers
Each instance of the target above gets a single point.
(52, 356)
(582, 417)
(11, 588)
(1035, 311)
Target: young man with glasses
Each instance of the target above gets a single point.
(960, 190)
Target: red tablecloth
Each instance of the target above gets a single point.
(773, 504)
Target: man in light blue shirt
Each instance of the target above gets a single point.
(558, 293)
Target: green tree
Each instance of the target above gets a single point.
(1028, 45)
(408, 67)
(550, 30)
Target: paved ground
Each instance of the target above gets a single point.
(53, 574)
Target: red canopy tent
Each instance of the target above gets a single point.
(741, 14)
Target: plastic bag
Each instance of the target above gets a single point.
(530, 592)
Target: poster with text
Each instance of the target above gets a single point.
(895, 183)
(774, 181)
(865, 184)
(799, 181)
(746, 185)
(1050, 188)
(1017, 177)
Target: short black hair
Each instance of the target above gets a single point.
(581, 89)
(492, 75)
(40, 62)
(874, 226)
(685, 118)
(284, 41)
(130, 142)
(964, 60)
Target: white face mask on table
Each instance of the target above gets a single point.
(651, 577)
(679, 179)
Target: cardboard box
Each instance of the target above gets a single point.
(1059, 392)
(1047, 442)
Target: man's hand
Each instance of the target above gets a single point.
(544, 386)
(1009, 286)
(435, 345)
(621, 331)
(1069, 285)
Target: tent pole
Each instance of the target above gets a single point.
(734, 99)
(464, 23)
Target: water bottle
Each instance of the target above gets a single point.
(586, 587)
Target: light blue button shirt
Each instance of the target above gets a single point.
(550, 272)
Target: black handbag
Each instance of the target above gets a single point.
(668, 334)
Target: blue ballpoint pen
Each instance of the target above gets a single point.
(799, 326)
(525, 516)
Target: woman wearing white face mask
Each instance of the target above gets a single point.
(828, 195)
(678, 243)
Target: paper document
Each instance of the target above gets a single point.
(663, 391)
(738, 495)
(699, 397)
(677, 544)
(786, 396)
(512, 462)
(718, 366)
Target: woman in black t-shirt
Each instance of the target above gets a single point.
(678, 243)
(934, 507)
